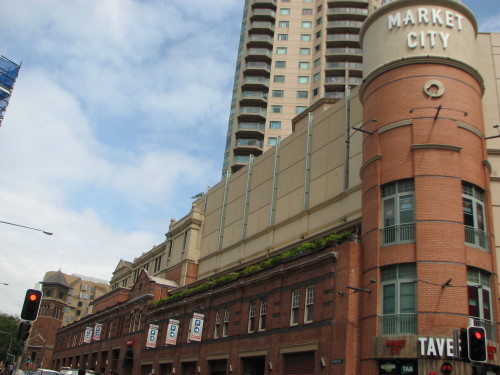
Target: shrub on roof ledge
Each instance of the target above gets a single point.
(304, 248)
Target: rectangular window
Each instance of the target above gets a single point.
(277, 93)
(272, 141)
(285, 11)
(398, 212)
(307, 11)
(294, 315)
(316, 77)
(315, 91)
(479, 296)
(305, 51)
(306, 24)
(318, 34)
(282, 36)
(274, 124)
(276, 108)
(263, 313)
(304, 65)
(305, 37)
(399, 300)
(217, 324)
(317, 48)
(300, 109)
(309, 307)
(319, 8)
(317, 62)
(279, 78)
(251, 317)
(284, 24)
(474, 216)
(303, 79)
(281, 51)
(280, 64)
(319, 21)
(225, 327)
(302, 94)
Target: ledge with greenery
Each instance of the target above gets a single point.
(303, 249)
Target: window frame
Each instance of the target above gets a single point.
(295, 307)
(309, 305)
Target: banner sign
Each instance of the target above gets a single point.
(88, 335)
(172, 330)
(196, 327)
(152, 336)
(97, 332)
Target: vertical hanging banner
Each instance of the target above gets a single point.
(88, 335)
(152, 336)
(97, 332)
(196, 327)
(172, 330)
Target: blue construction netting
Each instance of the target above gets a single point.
(8, 75)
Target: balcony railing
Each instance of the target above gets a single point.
(344, 65)
(262, 25)
(476, 237)
(396, 234)
(342, 37)
(260, 38)
(257, 65)
(253, 110)
(249, 142)
(398, 324)
(256, 80)
(335, 95)
(357, 51)
(254, 95)
(348, 10)
(252, 126)
(489, 327)
(264, 12)
(259, 51)
(344, 23)
(241, 159)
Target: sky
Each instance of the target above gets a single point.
(117, 119)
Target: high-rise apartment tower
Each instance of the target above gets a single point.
(291, 54)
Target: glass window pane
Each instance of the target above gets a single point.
(480, 216)
(407, 298)
(389, 301)
(389, 213)
(468, 214)
(406, 209)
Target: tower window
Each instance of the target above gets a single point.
(398, 212)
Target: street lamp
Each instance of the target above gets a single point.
(23, 226)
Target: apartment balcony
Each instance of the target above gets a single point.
(254, 82)
(346, 3)
(256, 27)
(338, 82)
(247, 113)
(257, 67)
(398, 324)
(240, 160)
(335, 94)
(264, 3)
(260, 40)
(342, 40)
(259, 54)
(398, 234)
(249, 98)
(351, 13)
(477, 238)
(248, 145)
(262, 14)
(344, 53)
(342, 66)
(344, 25)
(250, 129)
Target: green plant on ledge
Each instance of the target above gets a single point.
(304, 248)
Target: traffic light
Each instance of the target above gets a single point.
(477, 344)
(24, 330)
(31, 304)
(464, 344)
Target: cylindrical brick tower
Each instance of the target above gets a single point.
(427, 221)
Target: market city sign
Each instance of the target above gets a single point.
(440, 20)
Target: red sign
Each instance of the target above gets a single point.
(491, 350)
(131, 342)
(395, 345)
(446, 368)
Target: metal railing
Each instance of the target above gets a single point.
(476, 237)
(257, 65)
(348, 10)
(398, 324)
(395, 234)
(344, 23)
(342, 37)
(252, 126)
(489, 327)
(330, 65)
(249, 142)
(357, 51)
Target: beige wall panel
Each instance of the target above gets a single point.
(232, 234)
(291, 232)
(234, 210)
(260, 196)
(263, 168)
(258, 221)
(290, 204)
(209, 244)
(292, 152)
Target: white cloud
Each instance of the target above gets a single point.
(113, 125)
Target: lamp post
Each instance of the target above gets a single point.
(23, 226)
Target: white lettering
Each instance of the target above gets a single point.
(440, 346)
(422, 341)
(409, 18)
(436, 17)
(422, 15)
(449, 19)
(449, 344)
(459, 19)
(412, 40)
(432, 37)
(394, 21)
(431, 348)
(422, 39)
(444, 38)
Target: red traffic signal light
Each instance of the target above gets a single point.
(477, 344)
(31, 304)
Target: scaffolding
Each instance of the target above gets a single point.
(8, 75)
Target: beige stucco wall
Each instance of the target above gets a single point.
(409, 32)
(328, 203)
